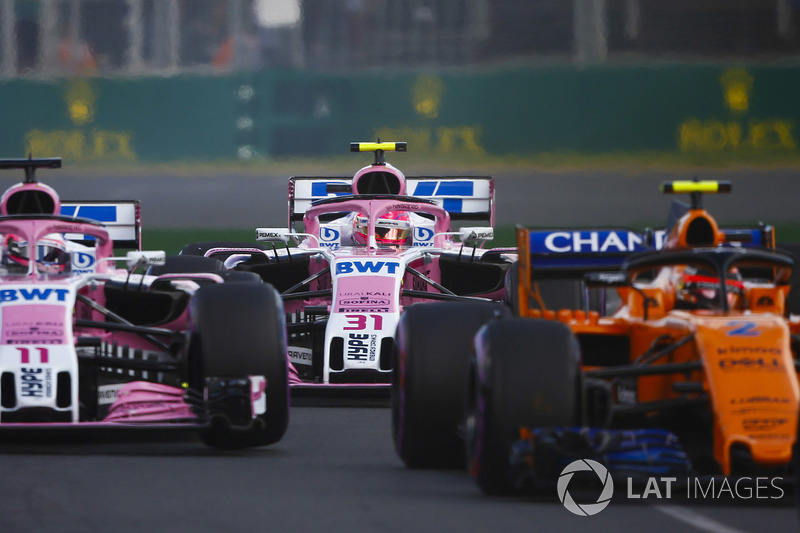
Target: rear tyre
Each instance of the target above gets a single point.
(430, 370)
(525, 373)
(240, 331)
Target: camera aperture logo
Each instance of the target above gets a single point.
(585, 509)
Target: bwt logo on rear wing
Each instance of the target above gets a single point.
(464, 197)
(122, 220)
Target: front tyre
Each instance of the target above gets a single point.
(239, 333)
(525, 373)
(432, 348)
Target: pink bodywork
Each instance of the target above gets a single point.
(138, 402)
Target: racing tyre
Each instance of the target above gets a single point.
(525, 373)
(512, 288)
(239, 332)
(429, 379)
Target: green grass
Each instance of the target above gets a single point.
(173, 240)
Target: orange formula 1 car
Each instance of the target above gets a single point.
(678, 357)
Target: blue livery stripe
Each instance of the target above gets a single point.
(425, 188)
(445, 188)
(455, 188)
(320, 189)
(452, 205)
(100, 213)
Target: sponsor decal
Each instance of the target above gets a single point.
(82, 262)
(590, 241)
(763, 424)
(13, 295)
(107, 394)
(262, 234)
(741, 328)
(329, 237)
(749, 350)
(358, 346)
(759, 400)
(365, 300)
(423, 236)
(34, 331)
(403, 207)
(750, 363)
(365, 267)
(36, 382)
(300, 356)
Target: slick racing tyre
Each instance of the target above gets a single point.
(239, 332)
(433, 342)
(525, 373)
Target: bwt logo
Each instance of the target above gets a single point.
(366, 267)
(329, 237)
(13, 295)
(423, 236)
(82, 260)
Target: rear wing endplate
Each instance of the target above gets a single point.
(466, 198)
(122, 220)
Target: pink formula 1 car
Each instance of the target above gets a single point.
(370, 246)
(85, 345)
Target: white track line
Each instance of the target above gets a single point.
(695, 520)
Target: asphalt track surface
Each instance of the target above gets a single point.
(335, 471)
(534, 197)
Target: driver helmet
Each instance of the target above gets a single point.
(52, 255)
(391, 228)
(698, 288)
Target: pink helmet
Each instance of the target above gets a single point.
(391, 228)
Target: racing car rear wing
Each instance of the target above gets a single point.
(121, 219)
(466, 198)
(572, 252)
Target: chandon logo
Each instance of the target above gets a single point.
(586, 509)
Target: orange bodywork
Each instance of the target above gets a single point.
(740, 359)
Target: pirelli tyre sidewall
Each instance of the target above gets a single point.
(525, 373)
(239, 330)
(432, 350)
